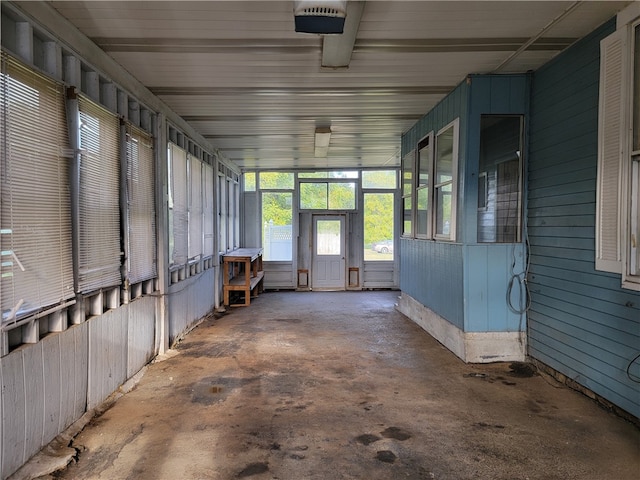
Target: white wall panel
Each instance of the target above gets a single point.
(278, 275)
(107, 354)
(74, 361)
(141, 334)
(53, 386)
(191, 299)
(13, 412)
(34, 399)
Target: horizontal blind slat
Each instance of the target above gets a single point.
(99, 249)
(35, 214)
(142, 263)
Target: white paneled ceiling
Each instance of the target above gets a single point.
(239, 73)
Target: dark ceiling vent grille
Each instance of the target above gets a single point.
(321, 17)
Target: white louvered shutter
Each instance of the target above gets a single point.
(209, 211)
(99, 222)
(195, 208)
(179, 223)
(35, 218)
(611, 147)
(141, 212)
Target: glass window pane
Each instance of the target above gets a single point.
(422, 207)
(328, 238)
(425, 159)
(250, 182)
(378, 226)
(406, 221)
(342, 196)
(379, 179)
(444, 157)
(277, 226)
(407, 174)
(499, 187)
(443, 210)
(312, 175)
(313, 196)
(336, 174)
(276, 181)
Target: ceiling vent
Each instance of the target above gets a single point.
(321, 16)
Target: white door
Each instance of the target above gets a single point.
(328, 268)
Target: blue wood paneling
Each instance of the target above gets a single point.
(488, 270)
(431, 272)
(467, 287)
(581, 322)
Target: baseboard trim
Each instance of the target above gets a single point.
(471, 347)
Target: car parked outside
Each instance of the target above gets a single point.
(385, 246)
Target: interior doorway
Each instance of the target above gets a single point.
(329, 245)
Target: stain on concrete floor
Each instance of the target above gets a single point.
(341, 386)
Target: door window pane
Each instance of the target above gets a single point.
(328, 238)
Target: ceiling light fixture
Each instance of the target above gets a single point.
(322, 139)
(320, 16)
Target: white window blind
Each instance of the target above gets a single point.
(178, 195)
(141, 212)
(35, 222)
(209, 211)
(610, 151)
(99, 196)
(195, 208)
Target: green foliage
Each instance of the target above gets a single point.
(378, 217)
(379, 179)
(276, 207)
(276, 180)
(250, 182)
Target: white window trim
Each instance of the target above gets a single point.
(411, 159)
(631, 188)
(615, 252)
(417, 186)
(454, 183)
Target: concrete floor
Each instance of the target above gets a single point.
(341, 386)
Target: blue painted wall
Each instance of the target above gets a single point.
(431, 272)
(466, 283)
(581, 322)
(491, 269)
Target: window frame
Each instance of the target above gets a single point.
(52, 265)
(427, 142)
(618, 193)
(451, 237)
(99, 250)
(141, 253)
(407, 192)
(328, 182)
